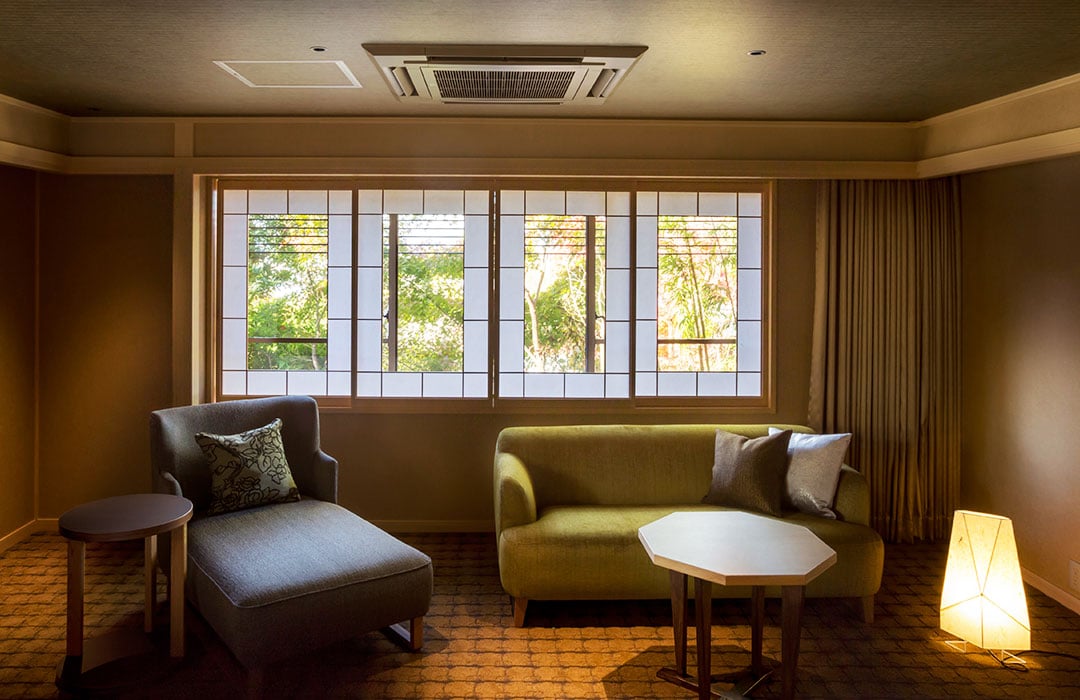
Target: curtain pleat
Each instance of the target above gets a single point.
(886, 348)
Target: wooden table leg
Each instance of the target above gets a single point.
(177, 575)
(76, 577)
(757, 623)
(149, 580)
(791, 630)
(678, 618)
(703, 605)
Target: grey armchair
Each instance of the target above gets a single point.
(287, 578)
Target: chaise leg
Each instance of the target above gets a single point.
(867, 608)
(411, 638)
(520, 604)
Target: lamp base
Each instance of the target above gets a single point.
(1003, 657)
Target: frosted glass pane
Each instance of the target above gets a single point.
(512, 346)
(749, 295)
(645, 384)
(234, 202)
(617, 386)
(617, 347)
(512, 293)
(585, 203)
(584, 386)
(234, 383)
(646, 292)
(618, 242)
(618, 204)
(511, 385)
(234, 343)
(543, 385)
(476, 346)
(266, 383)
(678, 204)
(512, 241)
(369, 346)
(476, 241)
(545, 202)
(234, 240)
(368, 384)
(340, 250)
(476, 386)
(645, 349)
(646, 203)
(676, 384)
(717, 204)
(402, 384)
(369, 250)
(369, 302)
(369, 202)
(444, 202)
(476, 298)
(476, 201)
(339, 292)
(445, 384)
(716, 384)
(341, 203)
(338, 384)
(749, 204)
(234, 292)
(267, 202)
(618, 295)
(307, 202)
(313, 383)
(646, 241)
(512, 202)
(403, 202)
(338, 340)
(749, 384)
(749, 346)
(749, 242)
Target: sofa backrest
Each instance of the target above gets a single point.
(620, 464)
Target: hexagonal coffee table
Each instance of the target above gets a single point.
(733, 548)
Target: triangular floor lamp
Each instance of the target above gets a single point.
(983, 601)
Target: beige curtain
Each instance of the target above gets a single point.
(886, 356)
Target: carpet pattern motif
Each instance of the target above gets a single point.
(567, 649)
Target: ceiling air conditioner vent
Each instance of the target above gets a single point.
(503, 74)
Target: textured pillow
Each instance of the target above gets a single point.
(248, 469)
(814, 471)
(749, 472)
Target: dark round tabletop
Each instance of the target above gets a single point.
(129, 517)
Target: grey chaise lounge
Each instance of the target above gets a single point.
(287, 578)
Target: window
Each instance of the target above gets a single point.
(492, 294)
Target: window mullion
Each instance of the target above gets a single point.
(392, 295)
(590, 294)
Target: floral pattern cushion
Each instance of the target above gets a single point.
(248, 469)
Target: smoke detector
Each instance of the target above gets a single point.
(503, 74)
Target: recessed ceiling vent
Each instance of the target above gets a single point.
(503, 74)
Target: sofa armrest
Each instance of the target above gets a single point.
(322, 481)
(852, 502)
(167, 483)
(515, 502)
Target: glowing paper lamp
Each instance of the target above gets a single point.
(983, 601)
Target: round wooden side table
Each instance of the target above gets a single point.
(135, 516)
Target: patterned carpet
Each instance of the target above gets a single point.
(567, 650)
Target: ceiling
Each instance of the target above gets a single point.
(857, 60)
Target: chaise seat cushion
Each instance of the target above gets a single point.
(306, 571)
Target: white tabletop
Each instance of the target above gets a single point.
(734, 548)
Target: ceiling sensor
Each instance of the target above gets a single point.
(503, 74)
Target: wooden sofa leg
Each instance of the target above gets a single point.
(411, 638)
(867, 608)
(520, 604)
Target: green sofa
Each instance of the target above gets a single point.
(569, 502)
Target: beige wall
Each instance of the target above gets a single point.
(17, 234)
(1021, 337)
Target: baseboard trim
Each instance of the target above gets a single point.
(21, 533)
(1062, 596)
(413, 526)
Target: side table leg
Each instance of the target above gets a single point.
(76, 575)
(757, 622)
(149, 580)
(703, 605)
(678, 618)
(177, 576)
(791, 630)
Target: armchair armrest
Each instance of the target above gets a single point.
(164, 482)
(852, 502)
(515, 502)
(322, 482)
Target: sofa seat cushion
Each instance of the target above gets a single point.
(266, 573)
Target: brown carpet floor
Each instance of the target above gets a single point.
(567, 650)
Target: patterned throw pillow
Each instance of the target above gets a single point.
(248, 469)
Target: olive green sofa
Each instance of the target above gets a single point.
(569, 502)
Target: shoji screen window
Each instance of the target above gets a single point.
(699, 294)
(286, 292)
(422, 293)
(564, 291)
